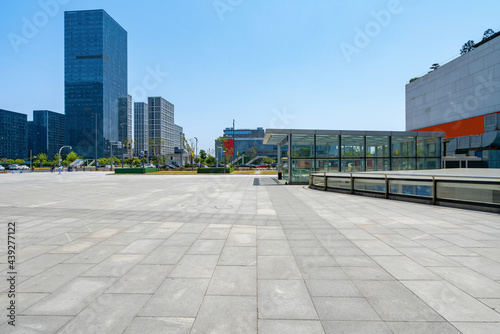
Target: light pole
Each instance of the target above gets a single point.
(60, 153)
(113, 143)
(123, 139)
(196, 150)
(96, 138)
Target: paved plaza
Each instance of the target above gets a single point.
(101, 253)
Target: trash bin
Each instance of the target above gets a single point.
(280, 176)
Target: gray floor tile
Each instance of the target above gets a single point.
(207, 247)
(422, 328)
(290, 326)
(30, 324)
(238, 256)
(227, 314)
(109, 313)
(284, 299)
(332, 288)
(176, 297)
(344, 308)
(160, 325)
(234, 281)
(356, 327)
(71, 298)
(141, 279)
(278, 267)
(195, 266)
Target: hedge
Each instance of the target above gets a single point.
(216, 170)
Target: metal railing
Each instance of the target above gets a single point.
(470, 192)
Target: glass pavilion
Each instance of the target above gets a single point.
(302, 151)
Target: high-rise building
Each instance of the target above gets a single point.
(95, 78)
(141, 136)
(161, 126)
(125, 119)
(13, 135)
(48, 132)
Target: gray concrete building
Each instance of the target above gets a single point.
(462, 99)
(160, 126)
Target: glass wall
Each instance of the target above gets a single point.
(303, 153)
(353, 153)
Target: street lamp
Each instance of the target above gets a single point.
(96, 138)
(60, 153)
(111, 144)
(196, 149)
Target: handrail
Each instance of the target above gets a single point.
(476, 192)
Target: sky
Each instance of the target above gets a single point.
(323, 64)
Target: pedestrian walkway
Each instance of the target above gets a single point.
(104, 253)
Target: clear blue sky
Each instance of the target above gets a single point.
(265, 63)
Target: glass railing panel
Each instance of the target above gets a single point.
(339, 182)
(414, 188)
(376, 185)
(470, 192)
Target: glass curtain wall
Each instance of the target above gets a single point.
(356, 153)
(353, 153)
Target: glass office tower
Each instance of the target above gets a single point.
(95, 79)
(48, 132)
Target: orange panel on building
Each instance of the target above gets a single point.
(464, 127)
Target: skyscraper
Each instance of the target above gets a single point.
(141, 128)
(125, 119)
(48, 132)
(161, 126)
(13, 135)
(95, 78)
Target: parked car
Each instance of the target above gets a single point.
(24, 167)
(2, 168)
(262, 166)
(13, 167)
(247, 165)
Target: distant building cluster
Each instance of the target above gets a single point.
(99, 114)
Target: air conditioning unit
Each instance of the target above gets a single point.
(491, 122)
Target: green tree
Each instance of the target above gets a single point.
(210, 160)
(72, 156)
(467, 47)
(268, 160)
(203, 155)
(488, 33)
(223, 143)
(19, 161)
(10, 161)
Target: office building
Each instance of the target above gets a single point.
(95, 79)
(125, 119)
(48, 132)
(462, 99)
(13, 135)
(141, 134)
(161, 126)
(248, 146)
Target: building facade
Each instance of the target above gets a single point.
(125, 120)
(48, 132)
(303, 151)
(95, 78)
(141, 133)
(13, 135)
(248, 145)
(462, 99)
(161, 126)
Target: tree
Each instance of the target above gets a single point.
(72, 156)
(203, 155)
(210, 160)
(467, 47)
(253, 151)
(19, 161)
(129, 145)
(488, 33)
(223, 143)
(434, 66)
